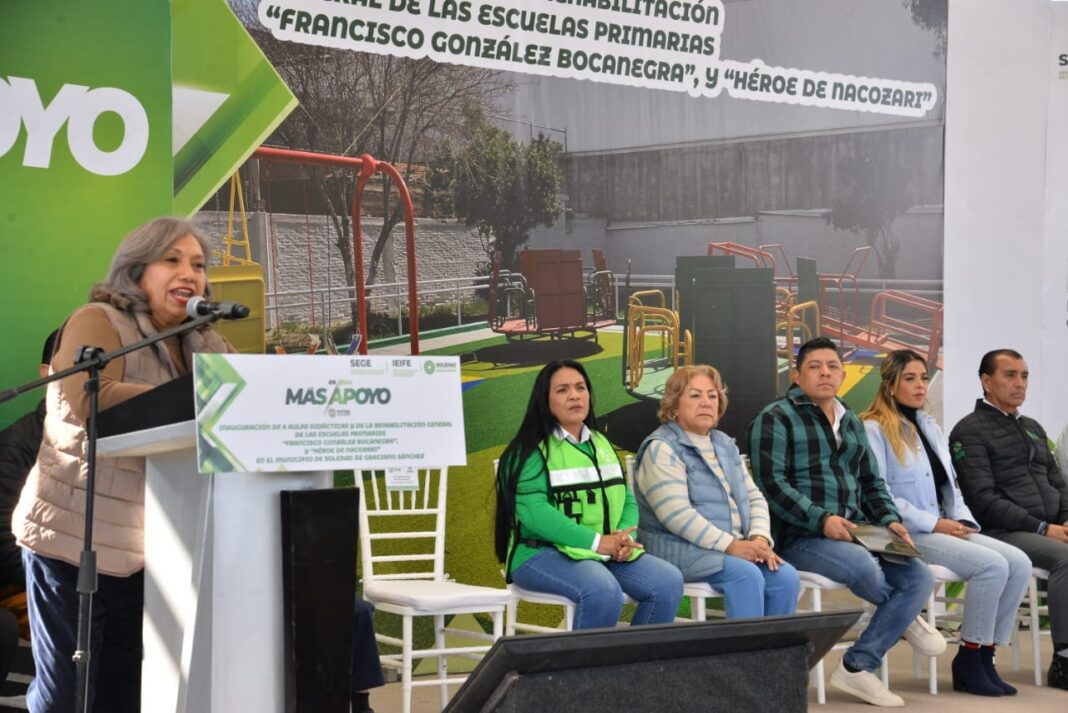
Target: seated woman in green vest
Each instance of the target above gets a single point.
(699, 507)
(565, 514)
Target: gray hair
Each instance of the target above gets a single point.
(143, 245)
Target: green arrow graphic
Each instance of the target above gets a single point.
(227, 99)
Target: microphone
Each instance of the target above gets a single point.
(198, 307)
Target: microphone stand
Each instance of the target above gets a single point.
(93, 360)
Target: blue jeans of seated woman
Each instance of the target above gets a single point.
(898, 591)
(997, 575)
(597, 587)
(751, 590)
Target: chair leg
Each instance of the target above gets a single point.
(1015, 643)
(498, 624)
(932, 661)
(698, 605)
(511, 612)
(569, 617)
(1036, 621)
(443, 665)
(817, 671)
(406, 664)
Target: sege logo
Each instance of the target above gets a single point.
(78, 107)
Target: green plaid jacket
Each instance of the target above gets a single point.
(804, 474)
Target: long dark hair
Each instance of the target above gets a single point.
(536, 428)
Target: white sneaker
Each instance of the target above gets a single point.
(866, 686)
(924, 638)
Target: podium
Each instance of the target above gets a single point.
(213, 622)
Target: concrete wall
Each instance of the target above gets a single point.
(651, 247)
(741, 178)
(443, 249)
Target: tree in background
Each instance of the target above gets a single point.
(931, 15)
(497, 185)
(875, 192)
(352, 103)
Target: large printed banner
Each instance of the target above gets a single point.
(657, 44)
(322, 412)
(88, 99)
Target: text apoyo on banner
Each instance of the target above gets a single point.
(78, 107)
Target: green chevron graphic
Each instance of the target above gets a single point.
(217, 386)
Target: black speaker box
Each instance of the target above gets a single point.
(704, 667)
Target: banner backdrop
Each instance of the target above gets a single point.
(87, 150)
(85, 155)
(766, 131)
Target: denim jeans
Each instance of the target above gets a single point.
(115, 666)
(997, 575)
(898, 591)
(751, 590)
(597, 587)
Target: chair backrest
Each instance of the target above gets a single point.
(402, 532)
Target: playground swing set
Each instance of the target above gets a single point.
(241, 279)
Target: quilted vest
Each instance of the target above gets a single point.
(50, 516)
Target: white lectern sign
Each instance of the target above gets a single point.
(260, 413)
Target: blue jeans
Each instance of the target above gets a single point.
(997, 575)
(115, 666)
(898, 591)
(597, 587)
(751, 590)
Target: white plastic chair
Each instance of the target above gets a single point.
(1032, 609)
(942, 576)
(414, 583)
(815, 585)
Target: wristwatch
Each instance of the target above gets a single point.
(762, 538)
(1042, 527)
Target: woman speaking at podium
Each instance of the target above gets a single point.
(155, 271)
(565, 514)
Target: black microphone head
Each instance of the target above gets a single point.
(233, 310)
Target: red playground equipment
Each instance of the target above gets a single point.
(896, 319)
(365, 166)
(551, 295)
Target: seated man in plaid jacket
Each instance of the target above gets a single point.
(810, 457)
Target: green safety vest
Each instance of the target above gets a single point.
(590, 491)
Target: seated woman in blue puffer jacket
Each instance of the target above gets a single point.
(698, 506)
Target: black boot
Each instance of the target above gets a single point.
(1058, 672)
(361, 702)
(970, 676)
(986, 653)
